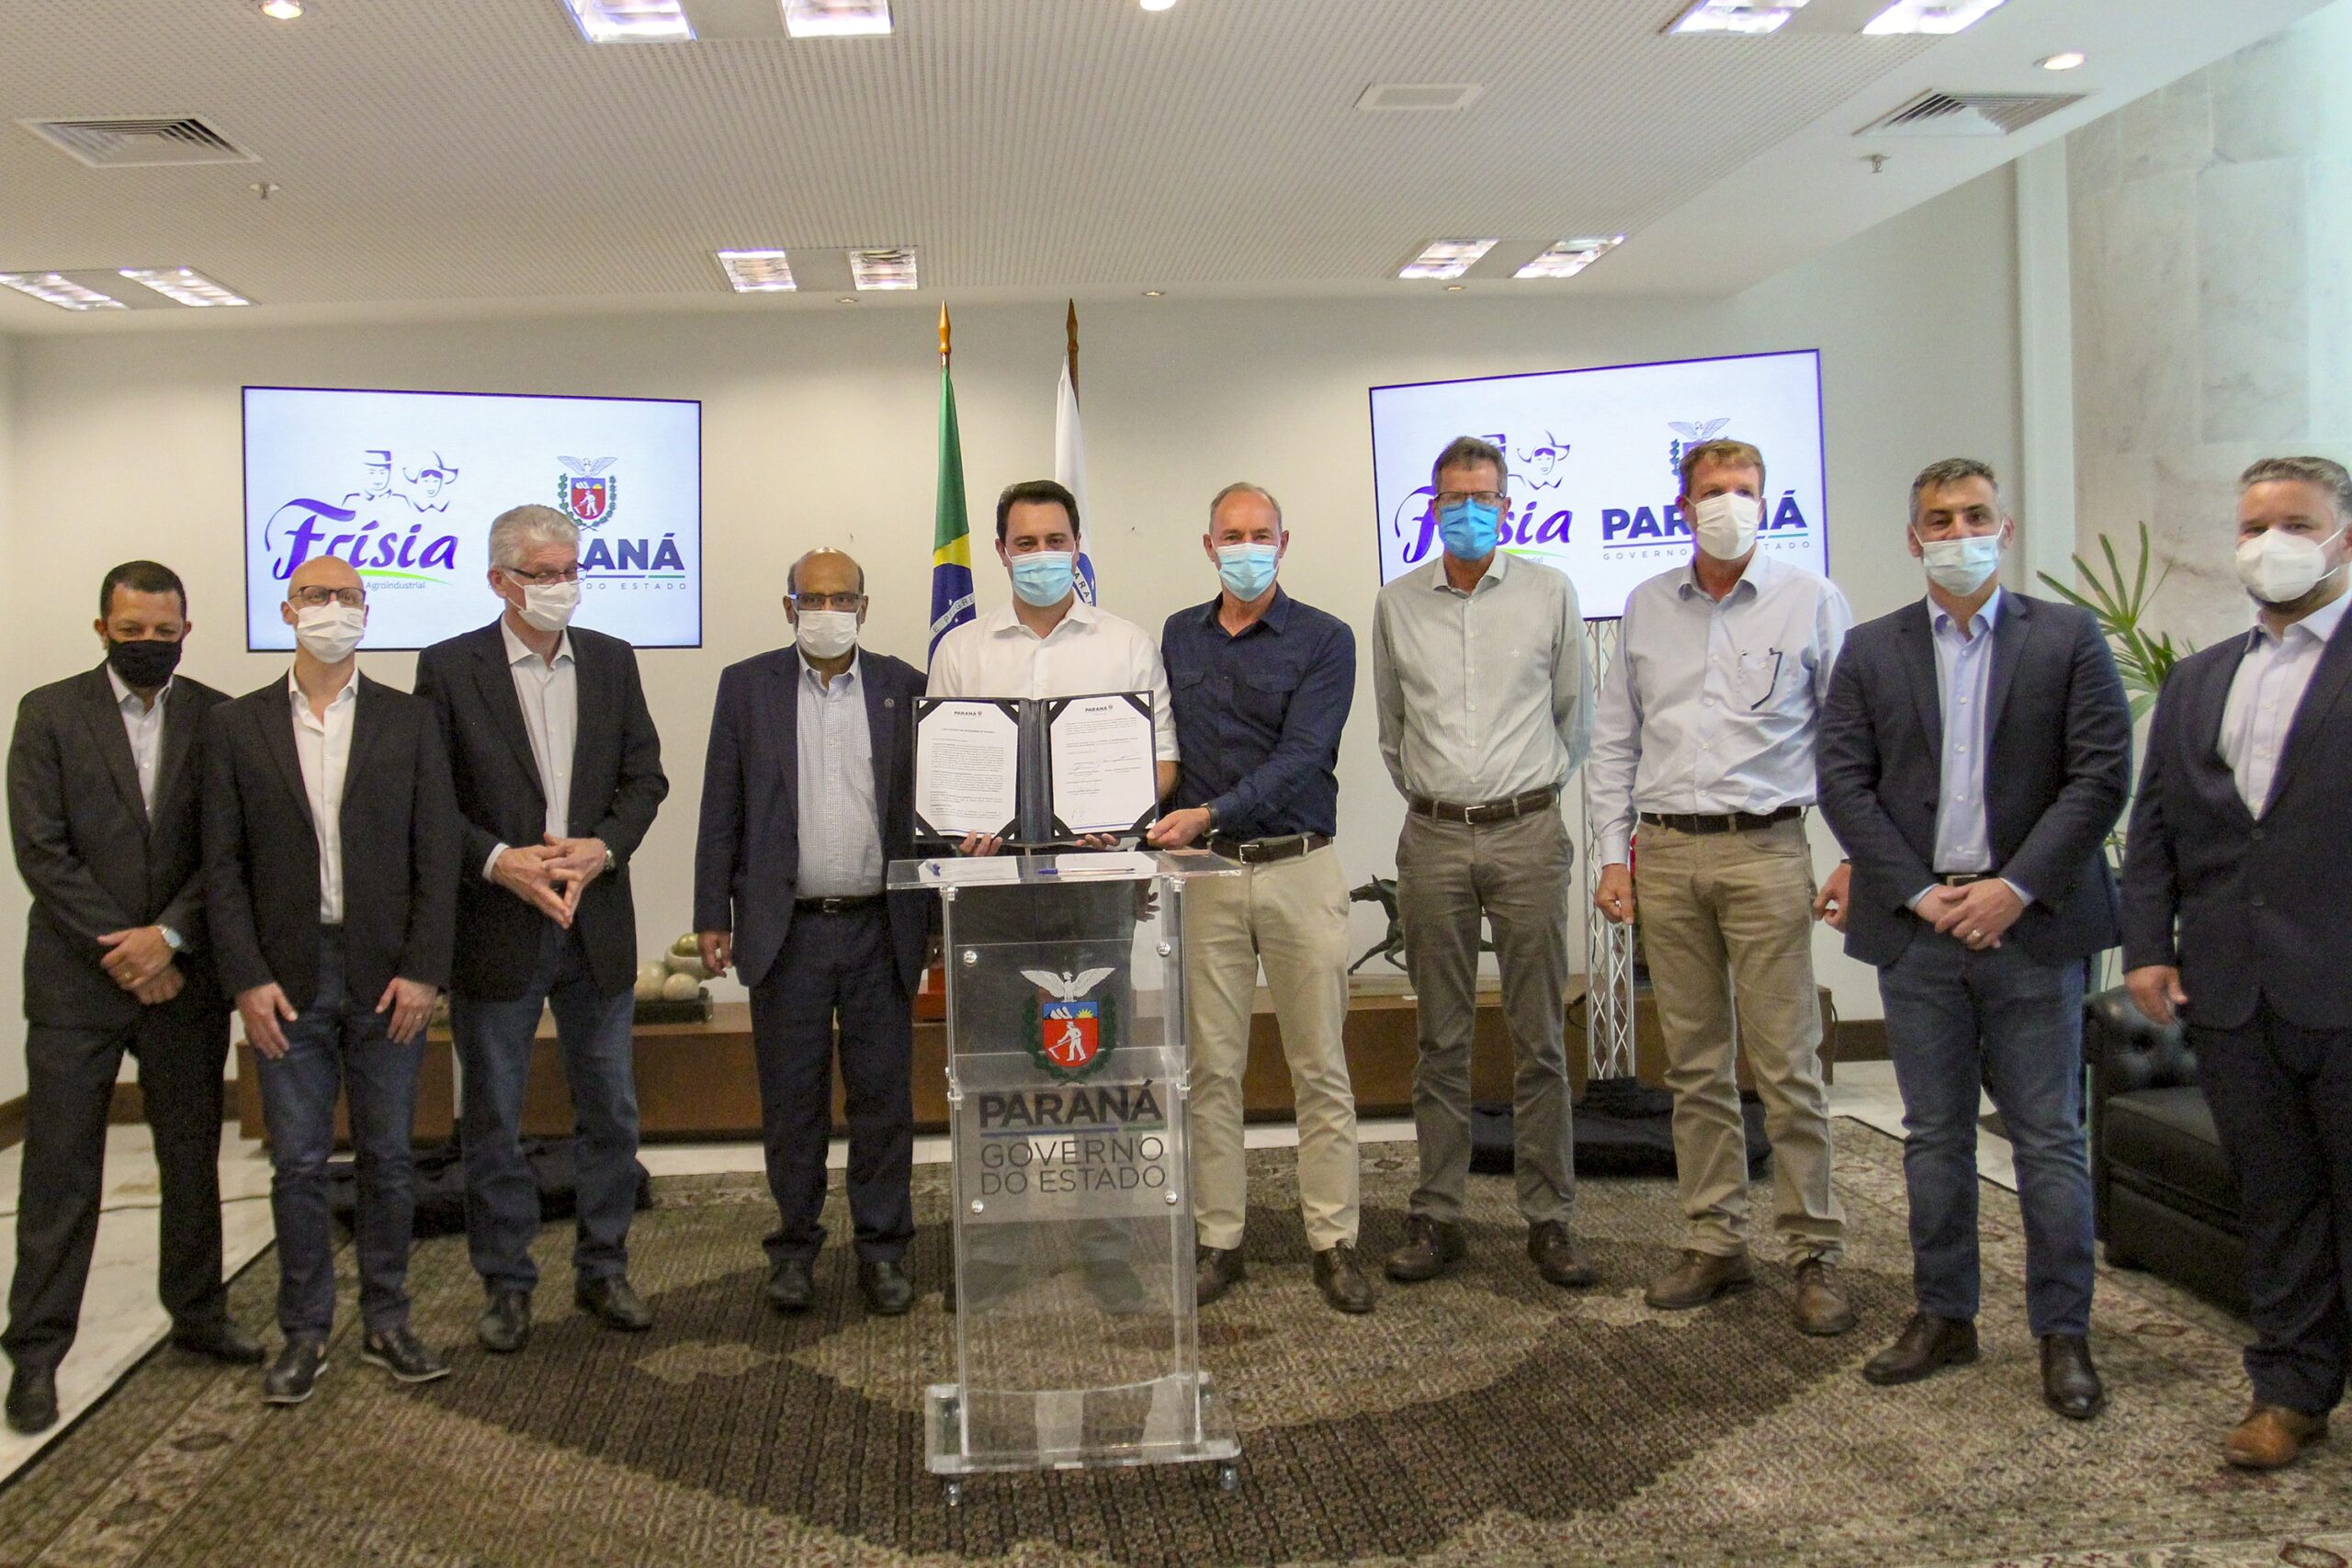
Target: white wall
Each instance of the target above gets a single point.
(818, 428)
(2211, 223)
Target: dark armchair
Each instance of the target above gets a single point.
(2167, 1203)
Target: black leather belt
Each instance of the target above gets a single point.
(1486, 811)
(1963, 878)
(1264, 851)
(1722, 822)
(837, 905)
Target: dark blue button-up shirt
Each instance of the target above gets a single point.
(1258, 716)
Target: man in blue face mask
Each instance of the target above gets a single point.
(1485, 708)
(1262, 685)
(1974, 750)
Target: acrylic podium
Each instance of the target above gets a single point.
(1067, 1090)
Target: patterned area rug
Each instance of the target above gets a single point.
(1486, 1418)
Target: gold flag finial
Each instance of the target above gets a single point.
(943, 350)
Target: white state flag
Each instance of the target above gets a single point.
(1070, 469)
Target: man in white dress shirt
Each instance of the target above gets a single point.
(1705, 733)
(1050, 643)
(331, 873)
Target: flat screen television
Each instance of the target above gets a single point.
(1593, 457)
(405, 486)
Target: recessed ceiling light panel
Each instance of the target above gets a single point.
(1937, 17)
(837, 19)
(183, 285)
(1568, 257)
(53, 288)
(631, 21)
(757, 272)
(1446, 259)
(1736, 17)
(282, 10)
(2066, 60)
(879, 267)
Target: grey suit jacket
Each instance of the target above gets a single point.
(93, 857)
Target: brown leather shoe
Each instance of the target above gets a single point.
(1340, 1279)
(1926, 1345)
(1431, 1248)
(1699, 1279)
(2272, 1437)
(1554, 1253)
(2070, 1383)
(1216, 1269)
(1821, 1305)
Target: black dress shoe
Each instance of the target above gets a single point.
(504, 1325)
(223, 1341)
(2070, 1383)
(1431, 1248)
(403, 1354)
(1215, 1269)
(1926, 1345)
(33, 1400)
(295, 1371)
(1340, 1279)
(1117, 1289)
(612, 1302)
(792, 1286)
(1554, 1253)
(888, 1291)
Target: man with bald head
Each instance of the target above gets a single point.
(331, 879)
(807, 795)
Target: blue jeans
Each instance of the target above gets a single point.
(494, 1039)
(339, 1043)
(2004, 1020)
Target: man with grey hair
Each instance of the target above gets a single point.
(1975, 749)
(1261, 685)
(2235, 882)
(1485, 708)
(559, 773)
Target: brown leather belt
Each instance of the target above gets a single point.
(1486, 811)
(1722, 822)
(1264, 851)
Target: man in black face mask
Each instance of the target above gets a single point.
(104, 805)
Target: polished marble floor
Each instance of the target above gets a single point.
(122, 1321)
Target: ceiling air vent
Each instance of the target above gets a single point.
(1421, 98)
(137, 144)
(1935, 113)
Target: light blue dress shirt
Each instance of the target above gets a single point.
(2264, 696)
(841, 830)
(1964, 685)
(1711, 707)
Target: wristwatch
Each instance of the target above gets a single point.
(610, 863)
(173, 939)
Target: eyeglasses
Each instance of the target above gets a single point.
(808, 602)
(541, 579)
(1491, 497)
(312, 598)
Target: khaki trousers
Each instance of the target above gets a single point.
(1293, 915)
(1726, 921)
(1515, 875)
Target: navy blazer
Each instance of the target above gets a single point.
(2057, 767)
(617, 786)
(747, 855)
(2259, 905)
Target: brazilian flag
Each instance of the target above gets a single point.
(950, 537)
